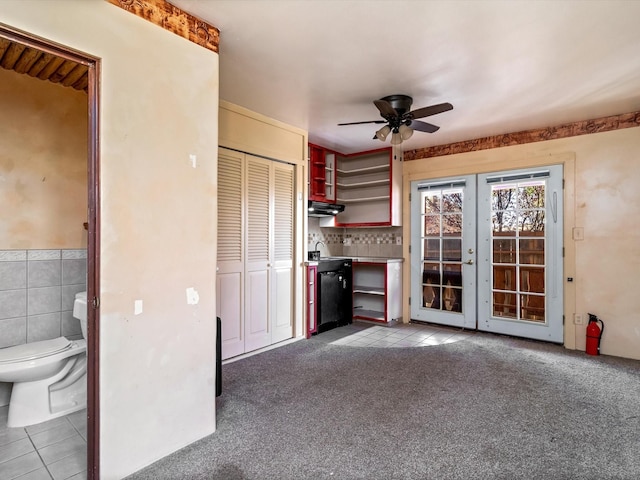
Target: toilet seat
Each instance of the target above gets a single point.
(34, 350)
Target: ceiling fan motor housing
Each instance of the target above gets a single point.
(400, 103)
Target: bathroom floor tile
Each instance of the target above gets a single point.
(8, 435)
(79, 421)
(53, 435)
(20, 466)
(15, 449)
(68, 466)
(79, 476)
(49, 424)
(75, 445)
(40, 474)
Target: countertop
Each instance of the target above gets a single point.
(358, 259)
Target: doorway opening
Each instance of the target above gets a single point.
(60, 64)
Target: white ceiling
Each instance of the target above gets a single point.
(506, 66)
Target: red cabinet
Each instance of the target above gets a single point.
(312, 294)
(322, 174)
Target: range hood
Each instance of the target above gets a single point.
(323, 209)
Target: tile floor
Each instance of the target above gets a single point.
(56, 449)
(396, 335)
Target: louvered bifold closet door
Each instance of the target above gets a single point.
(230, 263)
(282, 270)
(259, 241)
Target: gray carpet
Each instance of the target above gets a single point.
(488, 407)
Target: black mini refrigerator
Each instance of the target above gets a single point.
(335, 293)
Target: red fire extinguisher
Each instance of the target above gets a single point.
(594, 334)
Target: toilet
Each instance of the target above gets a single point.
(49, 377)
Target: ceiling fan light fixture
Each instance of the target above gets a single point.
(405, 132)
(383, 132)
(396, 138)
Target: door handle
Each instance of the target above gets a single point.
(469, 262)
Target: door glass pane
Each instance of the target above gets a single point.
(431, 225)
(532, 307)
(504, 223)
(532, 279)
(531, 251)
(431, 249)
(452, 202)
(452, 249)
(432, 203)
(431, 274)
(452, 274)
(504, 278)
(431, 296)
(531, 222)
(504, 305)
(530, 195)
(452, 299)
(503, 197)
(518, 250)
(504, 250)
(452, 224)
(442, 242)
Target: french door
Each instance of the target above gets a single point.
(520, 224)
(515, 287)
(443, 244)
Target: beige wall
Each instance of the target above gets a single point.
(159, 105)
(602, 174)
(43, 164)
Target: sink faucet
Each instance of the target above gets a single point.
(321, 243)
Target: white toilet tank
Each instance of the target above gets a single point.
(80, 311)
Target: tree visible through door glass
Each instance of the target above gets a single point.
(518, 244)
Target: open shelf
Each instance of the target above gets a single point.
(371, 183)
(368, 290)
(360, 171)
(368, 314)
(363, 200)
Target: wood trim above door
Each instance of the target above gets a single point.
(174, 20)
(603, 124)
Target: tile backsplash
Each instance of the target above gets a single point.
(37, 291)
(356, 242)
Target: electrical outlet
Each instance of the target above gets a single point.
(346, 242)
(398, 240)
(578, 319)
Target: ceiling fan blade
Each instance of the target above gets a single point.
(359, 123)
(385, 108)
(423, 126)
(432, 110)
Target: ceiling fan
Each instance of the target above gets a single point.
(401, 122)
